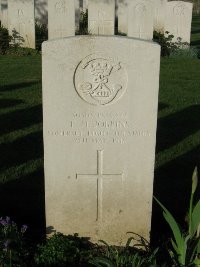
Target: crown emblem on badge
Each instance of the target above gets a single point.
(99, 88)
(179, 10)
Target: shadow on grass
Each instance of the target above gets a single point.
(22, 150)
(16, 86)
(8, 102)
(162, 106)
(195, 24)
(195, 43)
(175, 127)
(20, 119)
(172, 186)
(195, 31)
(23, 201)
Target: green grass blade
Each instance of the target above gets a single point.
(129, 242)
(102, 262)
(198, 246)
(194, 187)
(137, 260)
(179, 246)
(175, 246)
(103, 242)
(95, 263)
(195, 218)
(154, 253)
(194, 180)
(172, 223)
(193, 251)
(142, 241)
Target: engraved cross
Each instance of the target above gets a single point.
(101, 23)
(141, 32)
(100, 176)
(178, 30)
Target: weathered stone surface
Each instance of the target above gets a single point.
(77, 13)
(4, 13)
(101, 17)
(179, 19)
(61, 18)
(160, 15)
(140, 19)
(123, 16)
(41, 11)
(21, 17)
(100, 114)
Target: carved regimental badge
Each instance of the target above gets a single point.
(99, 80)
(179, 10)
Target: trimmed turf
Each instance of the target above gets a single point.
(178, 136)
(21, 161)
(195, 36)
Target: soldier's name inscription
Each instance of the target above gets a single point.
(95, 128)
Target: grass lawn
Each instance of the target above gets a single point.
(195, 35)
(21, 144)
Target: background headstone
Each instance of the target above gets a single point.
(4, 13)
(41, 11)
(140, 19)
(100, 114)
(77, 13)
(84, 5)
(179, 19)
(123, 16)
(21, 17)
(101, 17)
(61, 18)
(160, 7)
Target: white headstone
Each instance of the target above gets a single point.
(21, 17)
(4, 13)
(101, 17)
(61, 18)
(123, 16)
(41, 11)
(140, 19)
(4, 20)
(100, 115)
(179, 19)
(160, 15)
